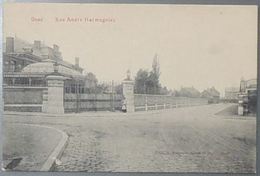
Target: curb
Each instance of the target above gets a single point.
(57, 152)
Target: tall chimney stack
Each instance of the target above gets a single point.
(9, 45)
(76, 61)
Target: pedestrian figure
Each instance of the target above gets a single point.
(124, 105)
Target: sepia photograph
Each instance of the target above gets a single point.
(129, 88)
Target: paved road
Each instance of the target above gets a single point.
(191, 139)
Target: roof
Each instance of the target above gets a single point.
(47, 67)
(26, 49)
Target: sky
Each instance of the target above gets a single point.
(197, 45)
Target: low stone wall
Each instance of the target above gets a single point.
(36, 99)
(92, 102)
(23, 108)
(144, 102)
(25, 99)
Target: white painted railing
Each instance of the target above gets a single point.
(158, 102)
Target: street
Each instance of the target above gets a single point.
(191, 139)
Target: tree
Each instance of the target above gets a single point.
(156, 66)
(189, 92)
(152, 83)
(153, 80)
(119, 89)
(102, 88)
(141, 81)
(90, 82)
(93, 86)
(148, 82)
(165, 91)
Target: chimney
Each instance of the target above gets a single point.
(37, 44)
(9, 44)
(76, 61)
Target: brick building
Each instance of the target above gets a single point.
(25, 69)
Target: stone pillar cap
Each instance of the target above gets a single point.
(128, 81)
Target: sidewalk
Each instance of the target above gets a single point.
(29, 147)
(85, 114)
(92, 113)
(231, 113)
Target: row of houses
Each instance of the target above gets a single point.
(211, 94)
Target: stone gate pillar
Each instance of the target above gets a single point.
(53, 97)
(128, 92)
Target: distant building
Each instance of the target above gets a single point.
(247, 96)
(189, 92)
(248, 85)
(231, 94)
(211, 94)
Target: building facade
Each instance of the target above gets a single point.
(36, 78)
(247, 97)
(211, 94)
(231, 94)
(26, 69)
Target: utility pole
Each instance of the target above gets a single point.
(113, 97)
(77, 96)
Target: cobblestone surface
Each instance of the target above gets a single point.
(191, 139)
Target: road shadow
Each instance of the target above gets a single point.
(231, 112)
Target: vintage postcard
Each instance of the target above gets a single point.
(129, 88)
